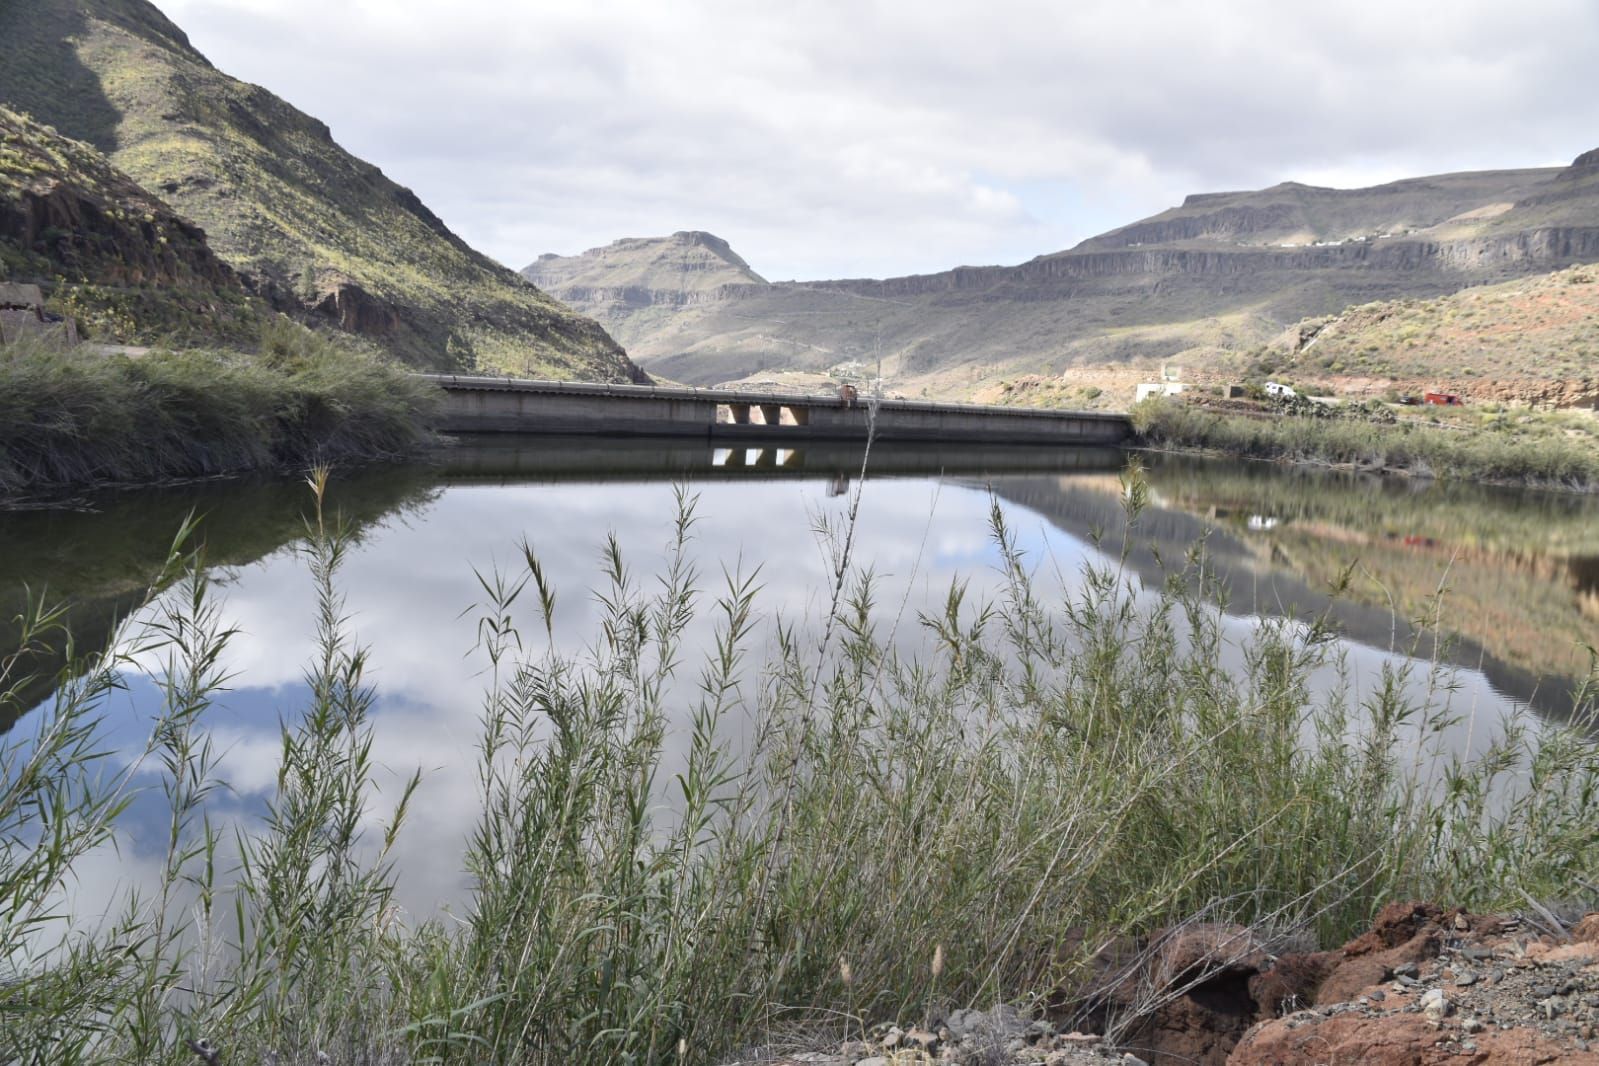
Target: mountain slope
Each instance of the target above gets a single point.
(303, 221)
(106, 251)
(1223, 271)
(1533, 340)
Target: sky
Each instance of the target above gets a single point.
(873, 138)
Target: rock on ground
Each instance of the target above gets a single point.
(1422, 986)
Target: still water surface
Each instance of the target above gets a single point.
(1519, 570)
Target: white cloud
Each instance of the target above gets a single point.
(849, 139)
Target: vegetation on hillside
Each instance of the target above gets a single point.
(1041, 779)
(1539, 328)
(304, 220)
(74, 418)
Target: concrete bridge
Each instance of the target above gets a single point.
(512, 405)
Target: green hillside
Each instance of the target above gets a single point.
(305, 223)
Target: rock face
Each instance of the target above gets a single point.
(678, 270)
(1221, 271)
(299, 218)
(63, 201)
(102, 244)
(1189, 994)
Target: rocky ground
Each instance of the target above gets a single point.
(1423, 986)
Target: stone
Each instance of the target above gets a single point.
(997, 1025)
(1435, 1004)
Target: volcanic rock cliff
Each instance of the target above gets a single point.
(1222, 271)
(106, 250)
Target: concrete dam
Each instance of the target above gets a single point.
(512, 405)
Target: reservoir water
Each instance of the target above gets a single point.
(1510, 580)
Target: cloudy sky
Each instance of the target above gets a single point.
(846, 138)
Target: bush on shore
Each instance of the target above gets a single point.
(75, 418)
(1039, 779)
(1546, 459)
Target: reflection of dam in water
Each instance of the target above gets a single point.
(487, 456)
(104, 561)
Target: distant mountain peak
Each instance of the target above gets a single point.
(716, 244)
(1587, 159)
(645, 270)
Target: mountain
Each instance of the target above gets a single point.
(1222, 272)
(305, 224)
(114, 257)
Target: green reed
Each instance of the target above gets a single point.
(74, 418)
(1041, 774)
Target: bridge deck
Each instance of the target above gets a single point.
(513, 405)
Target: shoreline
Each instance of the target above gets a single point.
(73, 422)
(1548, 461)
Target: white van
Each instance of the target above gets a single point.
(1279, 391)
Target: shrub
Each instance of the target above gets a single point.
(72, 418)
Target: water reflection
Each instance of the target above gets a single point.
(1510, 577)
(1522, 565)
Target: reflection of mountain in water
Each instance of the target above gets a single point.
(100, 563)
(1519, 568)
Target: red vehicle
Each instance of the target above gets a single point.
(1442, 399)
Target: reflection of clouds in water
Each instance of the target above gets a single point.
(410, 591)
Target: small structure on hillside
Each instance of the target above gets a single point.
(1157, 388)
(1170, 384)
(22, 314)
(1442, 399)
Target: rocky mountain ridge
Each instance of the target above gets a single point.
(1222, 271)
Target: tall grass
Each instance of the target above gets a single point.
(1547, 459)
(1038, 779)
(74, 418)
